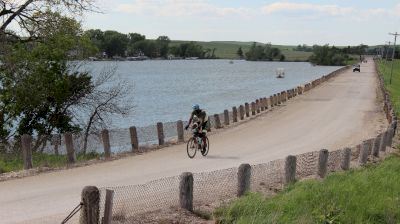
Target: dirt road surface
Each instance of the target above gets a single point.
(341, 112)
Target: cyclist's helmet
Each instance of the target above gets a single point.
(196, 107)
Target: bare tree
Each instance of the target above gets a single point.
(111, 97)
(20, 15)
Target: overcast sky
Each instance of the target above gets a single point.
(341, 22)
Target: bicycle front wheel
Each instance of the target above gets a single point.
(191, 147)
(204, 152)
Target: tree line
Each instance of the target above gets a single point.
(113, 43)
(261, 52)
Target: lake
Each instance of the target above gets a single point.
(165, 90)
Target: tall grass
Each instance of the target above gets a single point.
(366, 196)
(394, 87)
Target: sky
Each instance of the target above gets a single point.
(292, 22)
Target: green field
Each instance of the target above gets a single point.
(393, 88)
(365, 196)
(228, 49)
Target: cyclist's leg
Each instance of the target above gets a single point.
(205, 128)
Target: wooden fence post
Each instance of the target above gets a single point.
(106, 143)
(217, 121)
(271, 101)
(26, 141)
(247, 109)
(323, 163)
(69, 144)
(108, 206)
(186, 191)
(160, 133)
(382, 146)
(134, 139)
(345, 165)
(376, 145)
(364, 153)
(179, 129)
(241, 112)
(90, 212)
(244, 174)
(290, 169)
(258, 106)
(253, 108)
(266, 103)
(226, 117)
(234, 114)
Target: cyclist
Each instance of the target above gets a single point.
(203, 121)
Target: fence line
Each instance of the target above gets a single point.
(195, 189)
(137, 139)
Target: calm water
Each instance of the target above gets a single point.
(165, 90)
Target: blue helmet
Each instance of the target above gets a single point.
(196, 107)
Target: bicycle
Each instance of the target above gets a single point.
(195, 143)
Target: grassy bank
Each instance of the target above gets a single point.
(393, 88)
(228, 49)
(370, 195)
(14, 162)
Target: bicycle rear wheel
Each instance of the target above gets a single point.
(191, 147)
(205, 152)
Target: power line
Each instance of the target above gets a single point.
(394, 49)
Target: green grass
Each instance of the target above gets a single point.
(393, 88)
(14, 162)
(365, 196)
(228, 49)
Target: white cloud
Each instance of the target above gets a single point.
(333, 10)
(176, 8)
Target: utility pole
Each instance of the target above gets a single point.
(394, 49)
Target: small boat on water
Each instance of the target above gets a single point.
(280, 73)
(230, 62)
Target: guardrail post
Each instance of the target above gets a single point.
(290, 169)
(69, 144)
(90, 212)
(244, 174)
(160, 133)
(26, 141)
(345, 165)
(234, 114)
(266, 103)
(364, 153)
(271, 101)
(179, 129)
(134, 139)
(279, 98)
(186, 191)
(253, 108)
(106, 143)
(275, 100)
(258, 106)
(323, 162)
(247, 109)
(226, 117)
(217, 121)
(241, 112)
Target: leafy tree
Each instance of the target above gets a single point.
(115, 43)
(325, 55)
(38, 86)
(263, 52)
(240, 52)
(163, 45)
(96, 37)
